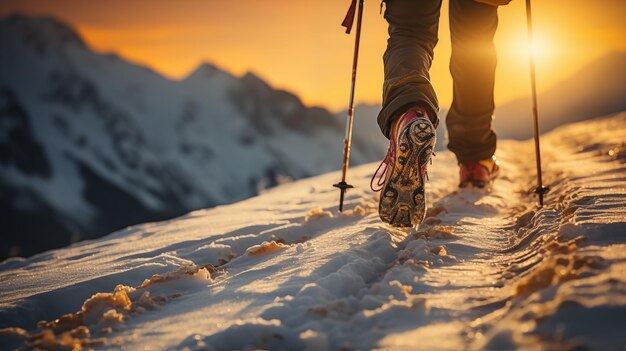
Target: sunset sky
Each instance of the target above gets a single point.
(300, 46)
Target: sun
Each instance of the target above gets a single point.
(539, 47)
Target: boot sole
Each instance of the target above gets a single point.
(402, 201)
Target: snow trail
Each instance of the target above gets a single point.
(285, 270)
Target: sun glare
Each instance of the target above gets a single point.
(539, 47)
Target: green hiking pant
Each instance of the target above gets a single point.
(413, 26)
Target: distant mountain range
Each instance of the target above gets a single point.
(90, 143)
(598, 89)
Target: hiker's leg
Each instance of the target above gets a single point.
(413, 29)
(473, 64)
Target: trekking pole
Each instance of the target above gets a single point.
(347, 22)
(540, 190)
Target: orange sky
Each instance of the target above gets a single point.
(299, 45)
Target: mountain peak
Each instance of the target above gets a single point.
(205, 70)
(40, 31)
(253, 77)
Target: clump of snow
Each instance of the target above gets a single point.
(357, 211)
(557, 268)
(317, 213)
(265, 248)
(197, 272)
(439, 250)
(314, 340)
(112, 316)
(437, 231)
(102, 311)
(361, 207)
(75, 339)
(96, 307)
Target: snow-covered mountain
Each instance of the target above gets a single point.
(487, 270)
(91, 143)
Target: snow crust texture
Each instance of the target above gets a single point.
(285, 270)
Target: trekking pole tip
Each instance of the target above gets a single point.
(343, 187)
(541, 190)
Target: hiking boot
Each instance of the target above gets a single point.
(479, 173)
(401, 174)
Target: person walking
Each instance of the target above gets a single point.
(409, 115)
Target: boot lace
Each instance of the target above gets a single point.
(383, 170)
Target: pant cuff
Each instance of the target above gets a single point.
(399, 105)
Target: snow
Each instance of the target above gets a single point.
(285, 270)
